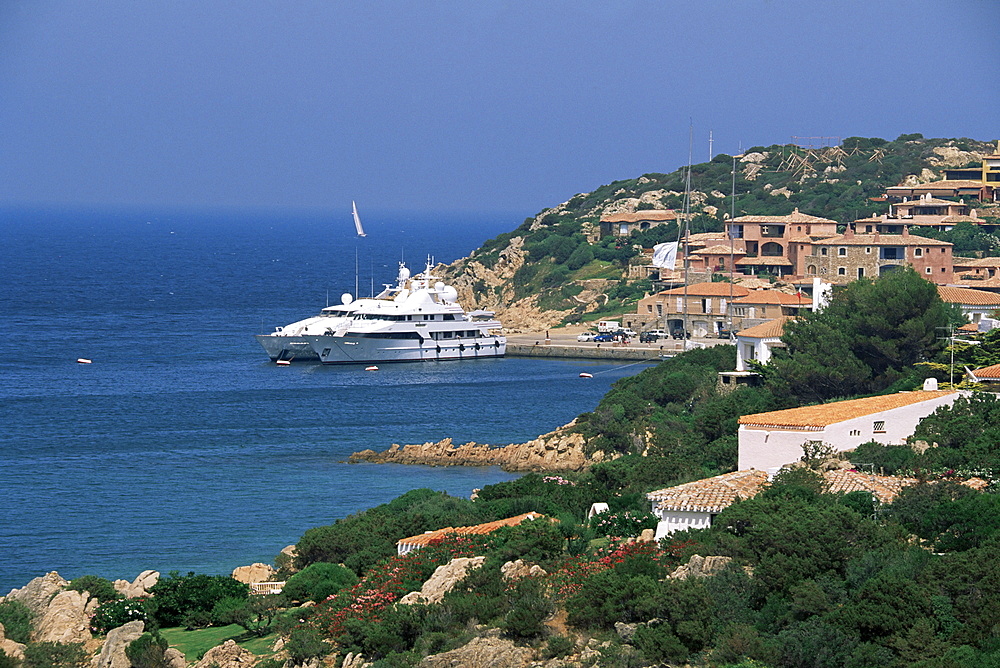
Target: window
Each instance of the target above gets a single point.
(822, 251)
(861, 272)
(649, 308)
(868, 250)
(879, 427)
(918, 251)
(842, 252)
(927, 270)
(841, 271)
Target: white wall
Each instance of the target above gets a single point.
(764, 449)
(676, 520)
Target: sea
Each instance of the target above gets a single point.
(181, 447)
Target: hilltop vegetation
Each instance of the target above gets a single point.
(552, 269)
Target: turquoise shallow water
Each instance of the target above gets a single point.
(181, 447)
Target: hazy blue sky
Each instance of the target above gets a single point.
(457, 106)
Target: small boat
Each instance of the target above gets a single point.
(584, 374)
(83, 360)
(371, 368)
(357, 220)
(283, 362)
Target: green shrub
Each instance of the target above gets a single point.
(55, 655)
(112, 614)
(16, 619)
(8, 661)
(148, 651)
(317, 582)
(529, 608)
(176, 596)
(304, 644)
(557, 646)
(199, 619)
(99, 587)
(270, 662)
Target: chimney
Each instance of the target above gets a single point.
(849, 232)
(906, 230)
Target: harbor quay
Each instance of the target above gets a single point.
(562, 343)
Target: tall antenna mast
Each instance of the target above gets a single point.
(710, 153)
(732, 251)
(687, 228)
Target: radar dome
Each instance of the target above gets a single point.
(448, 293)
(346, 298)
(404, 273)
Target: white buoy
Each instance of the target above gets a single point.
(371, 368)
(283, 362)
(83, 360)
(586, 375)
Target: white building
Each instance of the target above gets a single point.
(755, 343)
(768, 441)
(976, 305)
(694, 504)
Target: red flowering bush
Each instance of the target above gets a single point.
(571, 574)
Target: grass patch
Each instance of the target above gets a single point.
(193, 644)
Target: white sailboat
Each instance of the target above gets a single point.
(357, 220)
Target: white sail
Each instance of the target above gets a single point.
(357, 220)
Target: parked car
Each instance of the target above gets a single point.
(585, 336)
(603, 338)
(679, 334)
(648, 337)
(659, 333)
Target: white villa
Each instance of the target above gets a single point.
(755, 343)
(768, 441)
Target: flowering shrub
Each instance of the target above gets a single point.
(569, 577)
(558, 480)
(387, 582)
(622, 524)
(112, 614)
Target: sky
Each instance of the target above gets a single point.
(457, 106)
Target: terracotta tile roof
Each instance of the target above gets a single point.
(768, 260)
(708, 290)
(982, 261)
(991, 373)
(884, 488)
(652, 215)
(975, 283)
(823, 415)
(968, 296)
(711, 495)
(489, 527)
(772, 329)
(881, 240)
(774, 297)
(968, 327)
(940, 185)
(715, 250)
(963, 219)
(708, 236)
(795, 216)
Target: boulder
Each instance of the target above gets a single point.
(227, 655)
(66, 619)
(520, 569)
(174, 658)
(253, 573)
(142, 584)
(484, 652)
(625, 631)
(10, 647)
(39, 592)
(443, 580)
(353, 660)
(700, 567)
(112, 653)
(647, 536)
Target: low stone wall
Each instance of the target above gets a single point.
(605, 352)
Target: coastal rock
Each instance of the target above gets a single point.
(10, 647)
(560, 450)
(485, 652)
(647, 536)
(39, 592)
(112, 653)
(443, 580)
(174, 658)
(353, 660)
(143, 583)
(227, 655)
(520, 569)
(66, 619)
(253, 573)
(700, 567)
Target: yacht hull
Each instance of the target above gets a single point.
(366, 350)
(294, 348)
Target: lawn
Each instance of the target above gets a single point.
(194, 644)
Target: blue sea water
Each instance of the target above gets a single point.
(181, 447)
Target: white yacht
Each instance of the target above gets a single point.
(289, 343)
(418, 319)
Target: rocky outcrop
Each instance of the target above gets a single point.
(227, 655)
(560, 450)
(174, 658)
(520, 569)
(253, 573)
(443, 580)
(139, 587)
(39, 592)
(66, 619)
(10, 647)
(701, 567)
(112, 653)
(489, 651)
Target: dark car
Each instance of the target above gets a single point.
(677, 333)
(648, 337)
(603, 338)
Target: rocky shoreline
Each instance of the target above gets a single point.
(561, 450)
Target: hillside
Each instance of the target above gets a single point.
(551, 270)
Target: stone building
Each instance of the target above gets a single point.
(851, 256)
